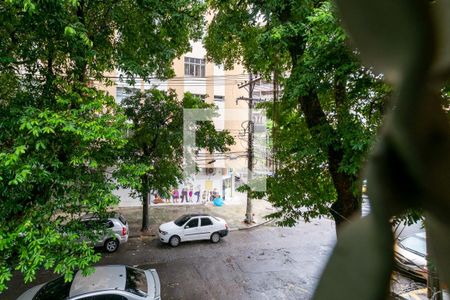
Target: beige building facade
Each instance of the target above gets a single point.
(219, 173)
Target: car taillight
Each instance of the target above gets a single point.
(226, 226)
(124, 231)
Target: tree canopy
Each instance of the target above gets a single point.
(152, 160)
(330, 109)
(59, 133)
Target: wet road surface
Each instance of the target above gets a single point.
(261, 263)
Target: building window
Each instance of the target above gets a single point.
(219, 98)
(194, 67)
(201, 96)
(124, 92)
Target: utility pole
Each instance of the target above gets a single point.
(275, 123)
(249, 211)
(250, 153)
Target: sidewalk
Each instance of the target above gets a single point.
(234, 214)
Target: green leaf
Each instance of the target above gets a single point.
(40, 145)
(48, 130)
(74, 130)
(69, 31)
(20, 150)
(86, 39)
(29, 6)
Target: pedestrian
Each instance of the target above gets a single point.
(190, 194)
(175, 195)
(197, 193)
(184, 194)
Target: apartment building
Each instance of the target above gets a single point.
(219, 173)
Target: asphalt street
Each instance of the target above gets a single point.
(262, 263)
(266, 262)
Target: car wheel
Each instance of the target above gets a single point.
(174, 241)
(215, 237)
(111, 245)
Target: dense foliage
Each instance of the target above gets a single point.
(152, 160)
(407, 169)
(330, 109)
(59, 135)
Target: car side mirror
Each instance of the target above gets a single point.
(186, 227)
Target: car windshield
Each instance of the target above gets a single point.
(123, 220)
(56, 289)
(136, 282)
(181, 220)
(415, 245)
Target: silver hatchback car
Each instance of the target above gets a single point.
(113, 282)
(114, 231)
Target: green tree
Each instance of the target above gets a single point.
(408, 167)
(59, 134)
(330, 109)
(153, 160)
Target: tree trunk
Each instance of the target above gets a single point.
(145, 216)
(347, 203)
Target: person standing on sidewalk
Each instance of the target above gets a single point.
(184, 194)
(175, 195)
(190, 194)
(204, 195)
(197, 193)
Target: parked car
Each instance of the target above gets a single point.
(113, 282)
(113, 230)
(193, 227)
(423, 294)
(411, 255)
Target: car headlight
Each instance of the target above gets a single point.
(163, 232)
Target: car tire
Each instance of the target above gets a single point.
(215, 237)
(111, 245)
(174, 241)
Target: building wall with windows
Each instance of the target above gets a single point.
(218, 171)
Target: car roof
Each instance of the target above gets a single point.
(421, 235)
(93, 217)
(198, 215)
(103, 278)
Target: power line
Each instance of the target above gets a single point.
(225, 76)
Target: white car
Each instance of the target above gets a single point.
(193, 227)
(113, 282)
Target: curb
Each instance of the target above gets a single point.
(252, 226)
(136, 236)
